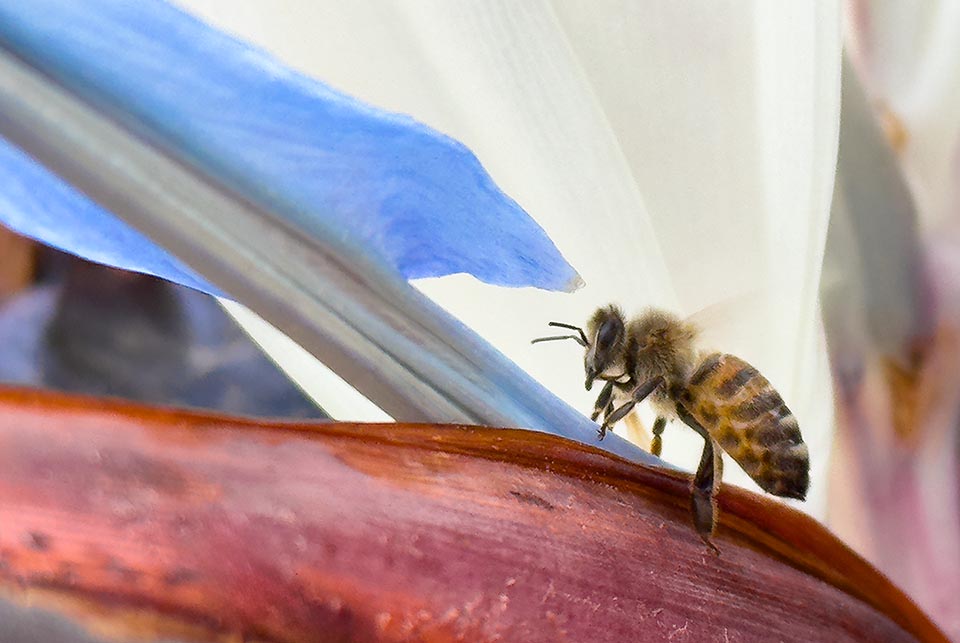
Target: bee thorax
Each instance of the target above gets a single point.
(660, 345)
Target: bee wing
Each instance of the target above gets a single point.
(726, 321)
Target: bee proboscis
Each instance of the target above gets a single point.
(721, 397)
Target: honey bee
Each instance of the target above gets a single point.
(719, 396)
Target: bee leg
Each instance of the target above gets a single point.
(657, 445)
(608, 410)
(615, 417)
(638, 395)
(603, 402)
(706, 481)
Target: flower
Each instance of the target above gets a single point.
(680, 177)
(691, 177)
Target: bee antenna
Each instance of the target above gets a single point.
(576, 338)
(583, 338)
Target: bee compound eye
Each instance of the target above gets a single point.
(608, 333)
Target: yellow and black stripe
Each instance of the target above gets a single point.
(741, 411)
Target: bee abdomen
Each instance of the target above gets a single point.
(748, 418)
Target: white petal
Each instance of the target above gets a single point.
(679, 154)
(732, 140)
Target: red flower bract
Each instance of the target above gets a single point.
(152, 522)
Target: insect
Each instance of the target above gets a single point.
(720, 396)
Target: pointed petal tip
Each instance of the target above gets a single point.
(576, 283)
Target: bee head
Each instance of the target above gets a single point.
(605, 341)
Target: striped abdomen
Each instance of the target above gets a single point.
(748, 418)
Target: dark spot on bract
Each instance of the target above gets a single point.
(38, 541)
(128, 574)
(532, 499)
(180, 576)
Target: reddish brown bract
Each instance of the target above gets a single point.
(142, 522)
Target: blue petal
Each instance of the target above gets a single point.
(386, 185)
(37, 204)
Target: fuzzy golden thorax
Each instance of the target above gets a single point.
(606, 334)
(660, 344)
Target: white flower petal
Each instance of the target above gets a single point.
(732, 139)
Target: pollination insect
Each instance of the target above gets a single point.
(720, 396)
